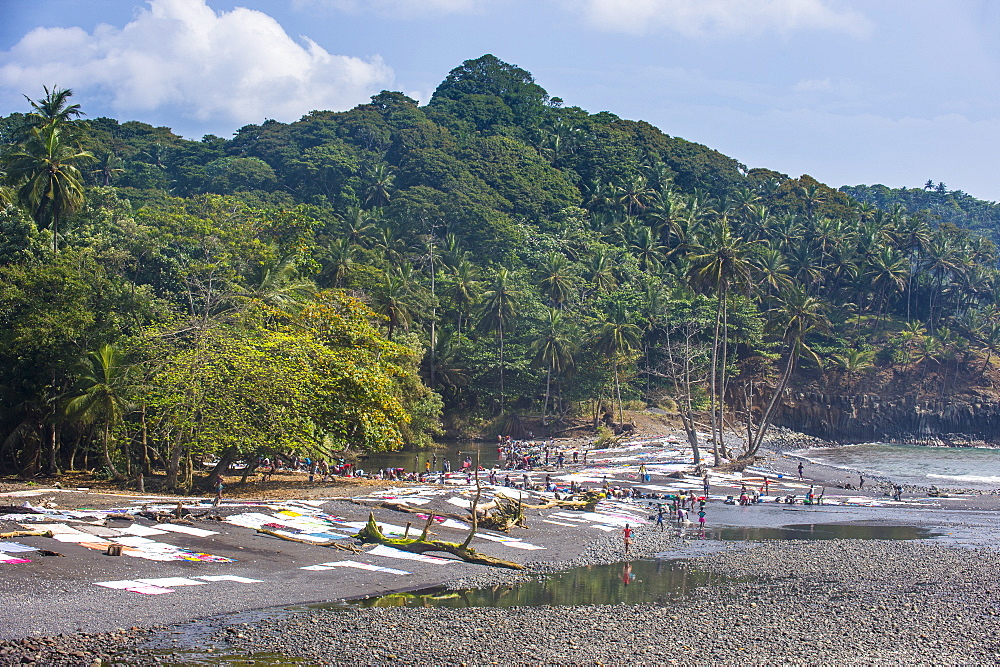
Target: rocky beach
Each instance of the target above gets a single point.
(752, 598)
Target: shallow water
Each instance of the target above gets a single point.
(410, 461)
(822, 531)
(955, 467)
(635, 582)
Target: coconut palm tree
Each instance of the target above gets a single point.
(464, 291)
(646, 247)
(499, 305)
(101, 396)
(358, 227)
(599, 270)
(556, 279)
(339, 260)
(797, 315)
(381, 179)
(616, 337)
(45, 173)
(553, 349)
(886, 274)
(54, 107)
(108, 165)
(853, 362)
(719, 264)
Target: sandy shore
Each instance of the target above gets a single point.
(800, 593)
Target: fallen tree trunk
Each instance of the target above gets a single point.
(403, 507)
(588, 504)
(27, 533)
(331, 543)
(372, 533)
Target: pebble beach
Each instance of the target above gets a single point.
(767, 601)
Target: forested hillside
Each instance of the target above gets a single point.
(934, 201)
(354, 278)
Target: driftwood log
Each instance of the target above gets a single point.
(27, 533)
(372, 533)
(331, 543)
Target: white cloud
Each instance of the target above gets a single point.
(181, 56)
(719, 18)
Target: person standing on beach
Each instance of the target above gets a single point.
(704, 483)
(800, 469)
(627, 535)
(218, 489)
(861, 482)
(767, 485)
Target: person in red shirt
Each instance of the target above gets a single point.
(628, 539)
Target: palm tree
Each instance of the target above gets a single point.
(277, 284)
(854, 361)
(912, 333)
(44, 171)
(617, 337)
(798, 315)
(553, 349)
(54, 107)
(464, 290)
(101, 397)
(396, 304)
(499, 305)
(887, 273)
(357, 226)
(109, 165)
(942, 259)
(633, 194)
(380, 185)
(719, 264)
(599, 270)
(556, 279)
(773, 270)
(646, 247)
(339, 258)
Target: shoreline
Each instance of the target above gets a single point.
(969, 521)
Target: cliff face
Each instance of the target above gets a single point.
(869, 417)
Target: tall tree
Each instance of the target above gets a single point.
(617, 336)
(721, 263)
(45, 172)
(798, 315)
(499, 305)
(552, 349)
(102, 397)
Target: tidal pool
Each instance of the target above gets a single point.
(635, 582)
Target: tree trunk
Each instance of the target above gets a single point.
(372, 533)
(712, 381)
(106, 454)
(174, 464)
(226, 460)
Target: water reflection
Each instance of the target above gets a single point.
(635, 582)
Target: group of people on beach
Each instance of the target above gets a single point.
(528, 454)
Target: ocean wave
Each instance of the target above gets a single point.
(968, 478)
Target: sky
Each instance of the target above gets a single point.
(848, 91)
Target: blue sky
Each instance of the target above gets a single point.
(848, 91)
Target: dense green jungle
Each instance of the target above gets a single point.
(376, 278)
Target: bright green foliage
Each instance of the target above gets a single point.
(502, 252)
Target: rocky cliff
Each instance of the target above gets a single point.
(899, 417)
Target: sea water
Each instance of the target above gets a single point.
(951, 467)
